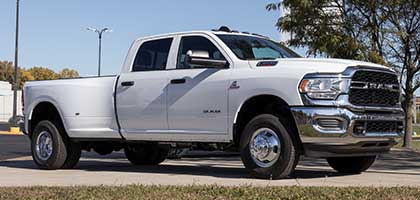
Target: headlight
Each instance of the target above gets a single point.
(324, 88)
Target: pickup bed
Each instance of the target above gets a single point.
(219, 90)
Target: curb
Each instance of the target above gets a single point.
(10, 133)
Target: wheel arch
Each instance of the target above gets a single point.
(44, 110)
(264, 104)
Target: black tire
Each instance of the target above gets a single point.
(351, 165)
(286, 161)
(74, 151)
(146, 154)
(296, 162)
(58, 153)
(103, 149)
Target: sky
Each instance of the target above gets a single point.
(53, 33)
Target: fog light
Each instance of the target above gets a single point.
(329, 123)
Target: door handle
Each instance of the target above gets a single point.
(127, 83)
(178, 81)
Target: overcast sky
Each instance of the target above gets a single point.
(53, 33)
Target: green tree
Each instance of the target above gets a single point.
(34, 73)
(7, 74)
(68, 73)
(6, 71)
(23, 77)
(43, 73)
(385, 32)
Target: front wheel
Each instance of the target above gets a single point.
(267, 149)
(351, 165)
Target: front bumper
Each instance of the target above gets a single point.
(333, 132)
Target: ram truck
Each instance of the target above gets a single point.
(219, 90)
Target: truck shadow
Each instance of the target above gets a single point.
(169, 168)
(397, 162)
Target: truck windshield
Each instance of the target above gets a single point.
(255, 48)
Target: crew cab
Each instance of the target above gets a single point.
(219, 90)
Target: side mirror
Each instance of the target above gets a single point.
(202, 59)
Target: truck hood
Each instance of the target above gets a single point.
(318, 65)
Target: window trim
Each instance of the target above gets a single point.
(151, 40)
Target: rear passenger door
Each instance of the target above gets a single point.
(141, 92)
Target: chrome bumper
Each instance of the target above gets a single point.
(335, 136)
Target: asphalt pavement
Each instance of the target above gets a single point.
(17, 169)
(14, 146)
(4, 126)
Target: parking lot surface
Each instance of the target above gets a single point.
(399, 168)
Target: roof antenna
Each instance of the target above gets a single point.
(224, 28)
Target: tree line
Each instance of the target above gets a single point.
(34, 73)
(385, 32)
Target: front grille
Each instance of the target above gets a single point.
(375, 77)
(373, 88)
(366, 127)
(373, 97)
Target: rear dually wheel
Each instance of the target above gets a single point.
(50, 150)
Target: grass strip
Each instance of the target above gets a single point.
(415, 145)
(208, 192)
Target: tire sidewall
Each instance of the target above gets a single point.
(145, 154)
(284, 164)
(59, 153)
(351, 165)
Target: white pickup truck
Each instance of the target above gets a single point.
(219, 90)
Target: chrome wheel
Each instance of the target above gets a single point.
(265, 147)
(44, 145)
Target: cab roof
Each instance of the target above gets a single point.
(222, 30)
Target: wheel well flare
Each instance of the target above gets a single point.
(266, 104)
(44, 111)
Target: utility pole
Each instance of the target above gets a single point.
(100, 32)
(15, 80)
(100, 53)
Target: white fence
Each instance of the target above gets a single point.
(6, 102)
(6, 106)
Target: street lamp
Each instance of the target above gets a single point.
(15, 79)
(99, 32)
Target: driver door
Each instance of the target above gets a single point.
(198, 95)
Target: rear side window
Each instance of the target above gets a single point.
(152, 55)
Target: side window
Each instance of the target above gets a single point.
(152, 55)
(197, 43)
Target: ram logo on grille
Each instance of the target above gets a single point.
(382, 86)
(374, 88)
(378, 86)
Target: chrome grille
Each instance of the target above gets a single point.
(374, 88)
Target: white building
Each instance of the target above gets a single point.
(6, 101)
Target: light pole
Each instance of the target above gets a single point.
(99, 32)
(15, 79)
